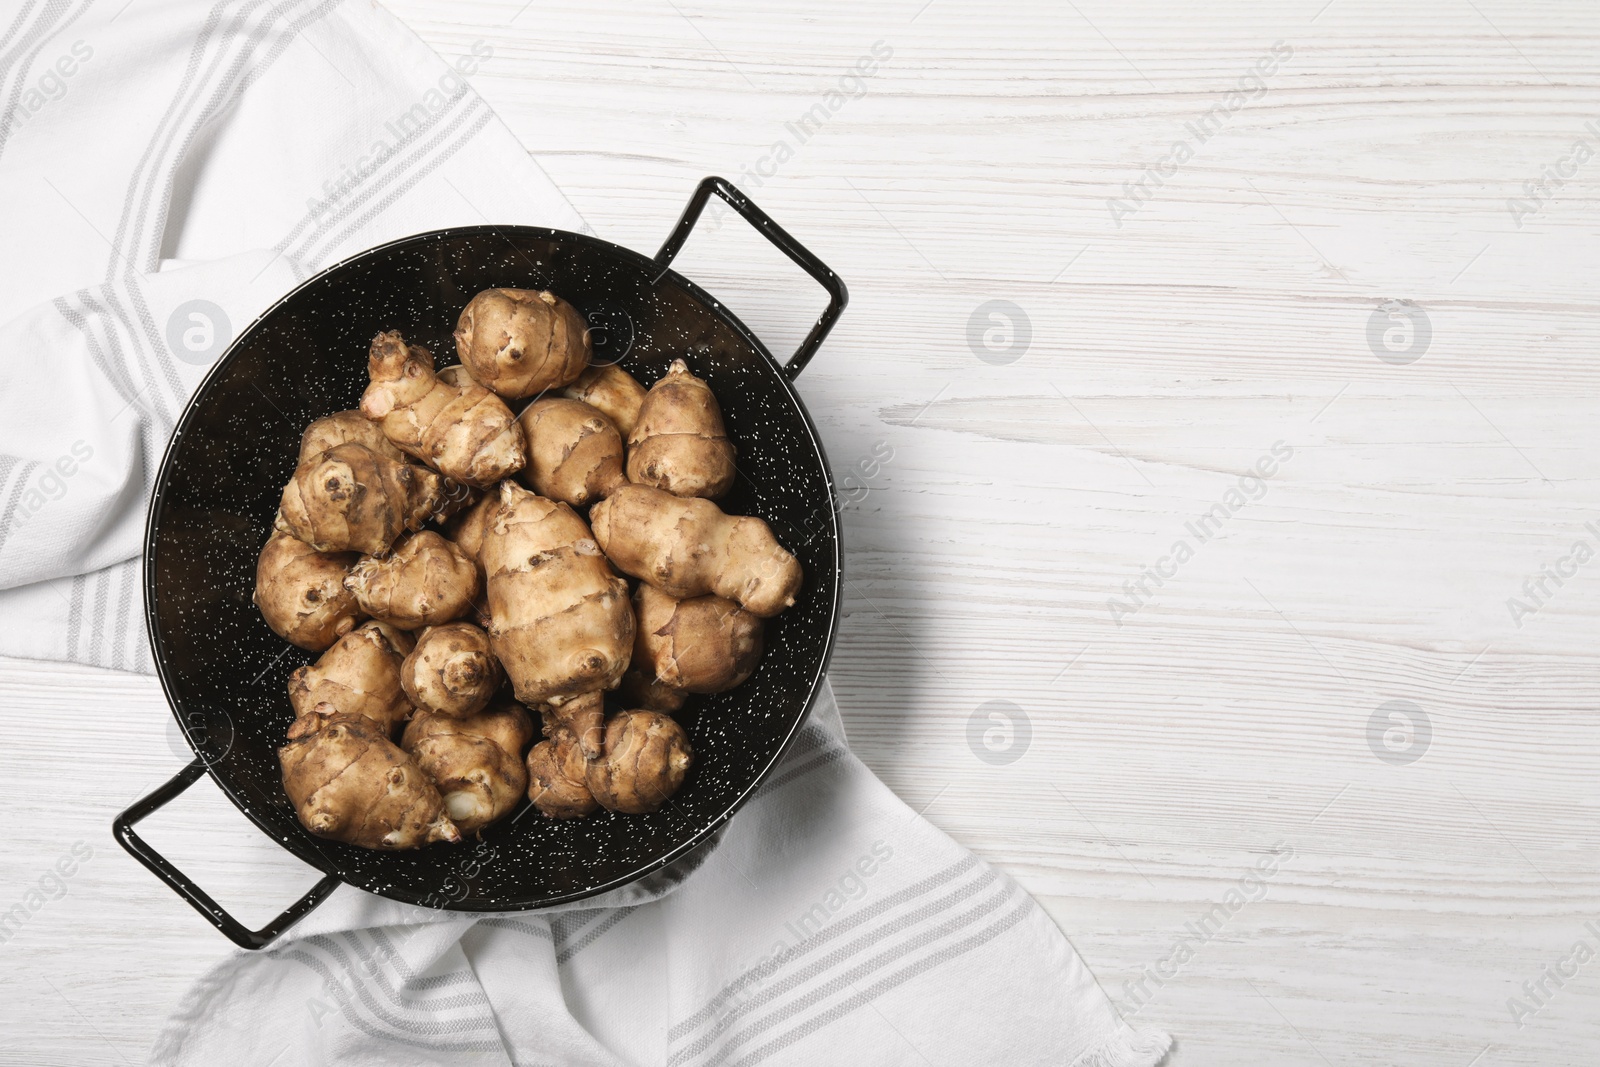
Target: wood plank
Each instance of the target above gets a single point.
(1172, 745)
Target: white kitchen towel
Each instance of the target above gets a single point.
(831, 925)
(169, 168)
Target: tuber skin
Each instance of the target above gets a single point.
(584, 717)
(613, 392)
(574, 453)
(679, 443)
(457, 426)
(475, 761)
(301, 592)
(462, 496)
(647, 757)
(558, 774)
(350, 783)
(705, 644)
(351, 499)
(466, 530)
(345, 427)
(451, 672)
(687, 547)
(426, 581)
(359, 675)
(520, 342)
(457, 377)
(562, 625)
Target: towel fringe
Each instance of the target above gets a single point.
(1128, 1048)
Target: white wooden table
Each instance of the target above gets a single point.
(1330, 662)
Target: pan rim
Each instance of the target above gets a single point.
(305, 848)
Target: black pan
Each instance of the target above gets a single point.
(224, 673)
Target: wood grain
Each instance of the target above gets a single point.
(1172, 747)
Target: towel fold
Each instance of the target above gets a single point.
(830, 924)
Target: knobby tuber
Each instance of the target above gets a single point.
(646, 758)
(678, 443)
(475, 761)
(687, 547)
(346, 427)
(301, 592)
(350, 498)
(451, 671)
(612, 391)
(705, 644)
(562, 625)
(558, 783)
(359, 675)
(425, 581)
(520, 342)
(457, 426)
(585, 718)
(467, 528)
(574, 453)
(349, 782)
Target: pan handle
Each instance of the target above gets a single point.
(236, 931)
(838, 297)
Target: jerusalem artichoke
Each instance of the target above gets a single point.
(585, 718)
(611, 391)
(562, 625)
(350, 498)
(359, 675)
(451, 671)
(458, 427)
(704, 644)
(425, 581)
(466, 530)
(574, 453)
(475, 761)
(687, 547)
(345, 427)
(678, 443)
(301, 592)
(646, 759)
(558, 775)
(349, 782)
(520, 342)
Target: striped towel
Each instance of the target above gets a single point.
(168, 169)
(832, 924)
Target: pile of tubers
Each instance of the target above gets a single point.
(456, 563)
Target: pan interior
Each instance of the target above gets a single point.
(225, 672)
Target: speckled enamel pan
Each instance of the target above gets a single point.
(224, 673)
